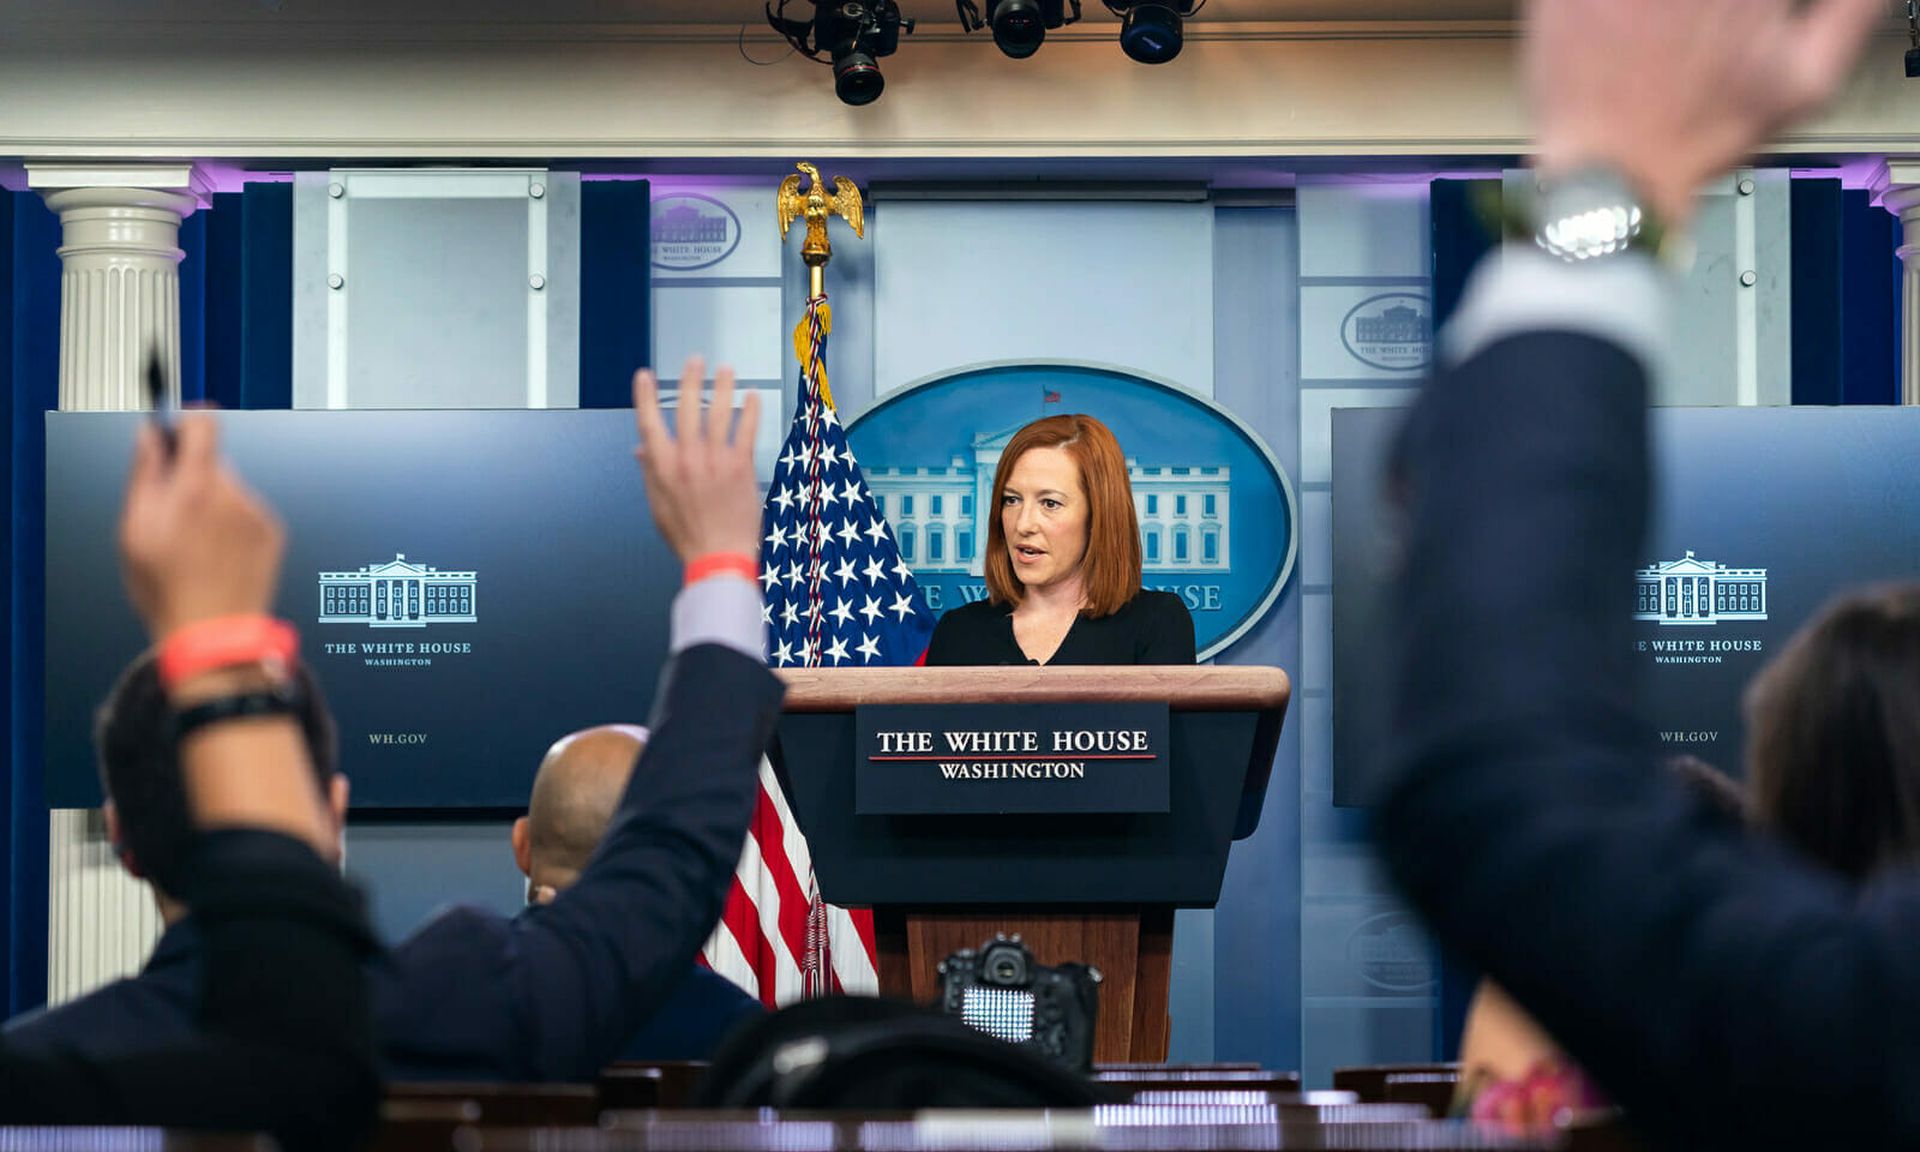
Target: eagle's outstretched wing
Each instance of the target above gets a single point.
(846, 200)
(789, 203)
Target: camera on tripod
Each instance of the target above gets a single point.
(1003, 991)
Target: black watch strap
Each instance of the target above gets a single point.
(282, 701)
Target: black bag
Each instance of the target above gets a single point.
(860, 1052)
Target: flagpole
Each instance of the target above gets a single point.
(816, 205)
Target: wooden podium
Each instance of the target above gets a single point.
(1096, 888)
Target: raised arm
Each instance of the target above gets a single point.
(597, 963)
(286, 1042)
(1719, 989)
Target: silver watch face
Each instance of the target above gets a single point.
(1587, 215)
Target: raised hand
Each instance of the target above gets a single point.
(195, 542)
(700, 478)
(1671, 93)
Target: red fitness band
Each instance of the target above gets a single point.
(226, 642)
(715, 563)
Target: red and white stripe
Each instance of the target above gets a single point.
(761, 941)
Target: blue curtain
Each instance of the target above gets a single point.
(1846, 297)
(616, 289)
(242, 315)
(32, 366)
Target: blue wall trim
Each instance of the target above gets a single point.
(616, 289)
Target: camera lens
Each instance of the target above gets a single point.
(1019, 27)
(857, 79)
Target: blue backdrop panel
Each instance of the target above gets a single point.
(1761, 516)
(616, 289)
(442, 700)
(34, 320)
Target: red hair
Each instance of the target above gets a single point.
(1110, 570)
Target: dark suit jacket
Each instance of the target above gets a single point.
(547, 996)
(283, 1043)
(1720, 989)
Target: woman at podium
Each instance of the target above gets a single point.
(1063, 563)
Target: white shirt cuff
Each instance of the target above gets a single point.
(1622, 300)
(721, 609)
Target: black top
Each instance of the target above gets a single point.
(1151, 628)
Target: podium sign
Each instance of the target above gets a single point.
(979, 759)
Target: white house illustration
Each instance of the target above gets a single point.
(1183, 511)
(1694, 591)
(397, 594)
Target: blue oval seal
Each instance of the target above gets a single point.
(1391, 953)
(1392, 331)
(691, 231)
(1217, 512)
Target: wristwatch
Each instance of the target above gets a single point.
(1590, 214)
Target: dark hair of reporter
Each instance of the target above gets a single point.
(1113, 561)
(140, 765)
(1833, 729)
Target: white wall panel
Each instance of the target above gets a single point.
(1126, 284)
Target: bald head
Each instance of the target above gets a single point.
(578, 787)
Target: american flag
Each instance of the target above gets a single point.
(838, 595)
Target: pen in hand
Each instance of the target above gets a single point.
(162, 410)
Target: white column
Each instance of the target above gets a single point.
(1896, 187)
(119, 300)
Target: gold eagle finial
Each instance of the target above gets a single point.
(816, 204)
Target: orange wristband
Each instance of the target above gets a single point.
(225, 642)
(714, 563)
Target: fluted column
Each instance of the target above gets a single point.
(119, 299)
(1896, 186)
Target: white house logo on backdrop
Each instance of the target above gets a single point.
(691, 231)
(1691, 591)
(1392, 331)
(397, 594)
(1185, 512)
